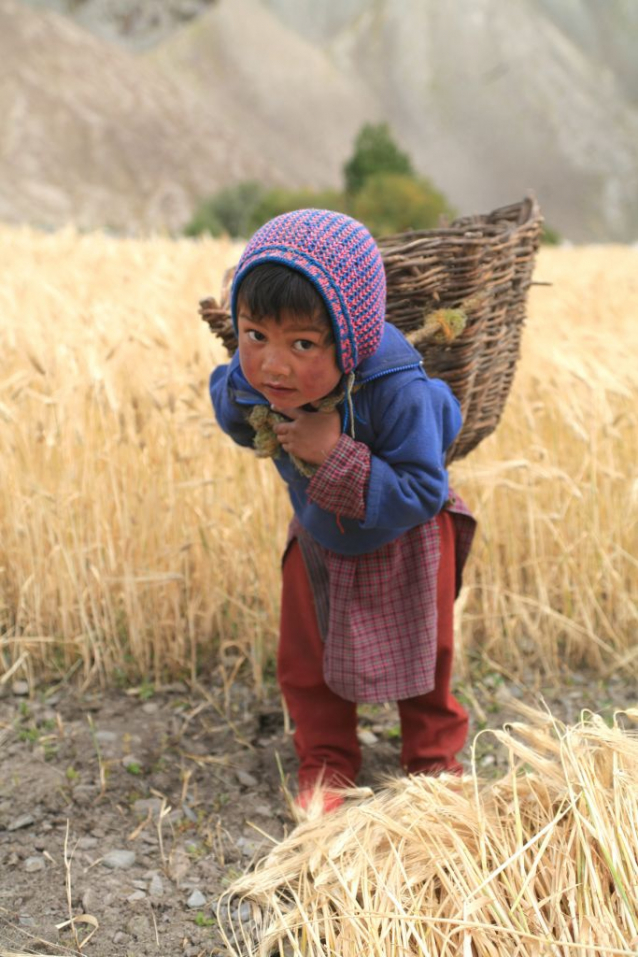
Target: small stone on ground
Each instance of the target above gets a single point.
(119, 860)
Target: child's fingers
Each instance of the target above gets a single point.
(284, 436)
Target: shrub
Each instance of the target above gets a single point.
(381, 190)
(550, 237)
(390, 203)
(239, 210)
(230, 211)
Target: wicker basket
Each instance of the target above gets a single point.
(486, 259)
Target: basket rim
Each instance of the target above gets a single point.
(473, 228)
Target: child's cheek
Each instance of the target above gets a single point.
(323, 374)
(312, 376)
(248, 365)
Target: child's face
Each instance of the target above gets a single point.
(292, 362)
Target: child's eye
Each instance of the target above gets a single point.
(255, 336)
(304, 345)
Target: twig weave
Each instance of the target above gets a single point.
(486, 260)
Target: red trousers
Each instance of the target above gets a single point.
(433, 726)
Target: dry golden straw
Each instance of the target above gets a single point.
(543, 861)
(137, 540)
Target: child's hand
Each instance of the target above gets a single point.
(310, 436)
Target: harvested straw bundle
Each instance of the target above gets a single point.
(478, 271)
(541, 862)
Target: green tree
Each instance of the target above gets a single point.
(375, 152)
(391, 203)
(381, 189)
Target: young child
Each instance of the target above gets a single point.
(377, 542)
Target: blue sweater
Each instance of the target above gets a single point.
(407, 420)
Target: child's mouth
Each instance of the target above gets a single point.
(279, 389)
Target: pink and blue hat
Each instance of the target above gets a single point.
(340, 258)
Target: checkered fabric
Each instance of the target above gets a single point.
(377, 612)
(340, 258)
(348, 470)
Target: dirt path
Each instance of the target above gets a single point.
(187, 789)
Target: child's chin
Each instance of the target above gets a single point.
(285, 402)
(294, 401)
(291, 400)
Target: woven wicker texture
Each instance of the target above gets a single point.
(483, 262)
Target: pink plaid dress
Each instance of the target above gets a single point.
(377, 611)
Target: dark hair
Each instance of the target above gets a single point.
(271, 289)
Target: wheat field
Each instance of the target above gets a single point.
(137, 543)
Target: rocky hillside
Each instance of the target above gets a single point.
(498, 98)
(134, 24)
(284, 98)
(605, 32)
(126, 115)
(94, 135)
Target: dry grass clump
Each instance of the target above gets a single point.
(137, 540)
(543, 861)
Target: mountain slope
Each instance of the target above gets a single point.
(90, 134)
(492, 99)
(606, 32)
(317, 22)
(284, 98)
(489, 98)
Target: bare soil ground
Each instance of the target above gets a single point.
(191, 784)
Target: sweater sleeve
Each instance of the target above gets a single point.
(400, 480)
(408, 482)
(232, 399)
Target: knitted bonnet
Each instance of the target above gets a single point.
(340, 258)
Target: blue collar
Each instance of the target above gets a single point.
(393, 355)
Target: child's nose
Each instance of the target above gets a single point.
(275, 361)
